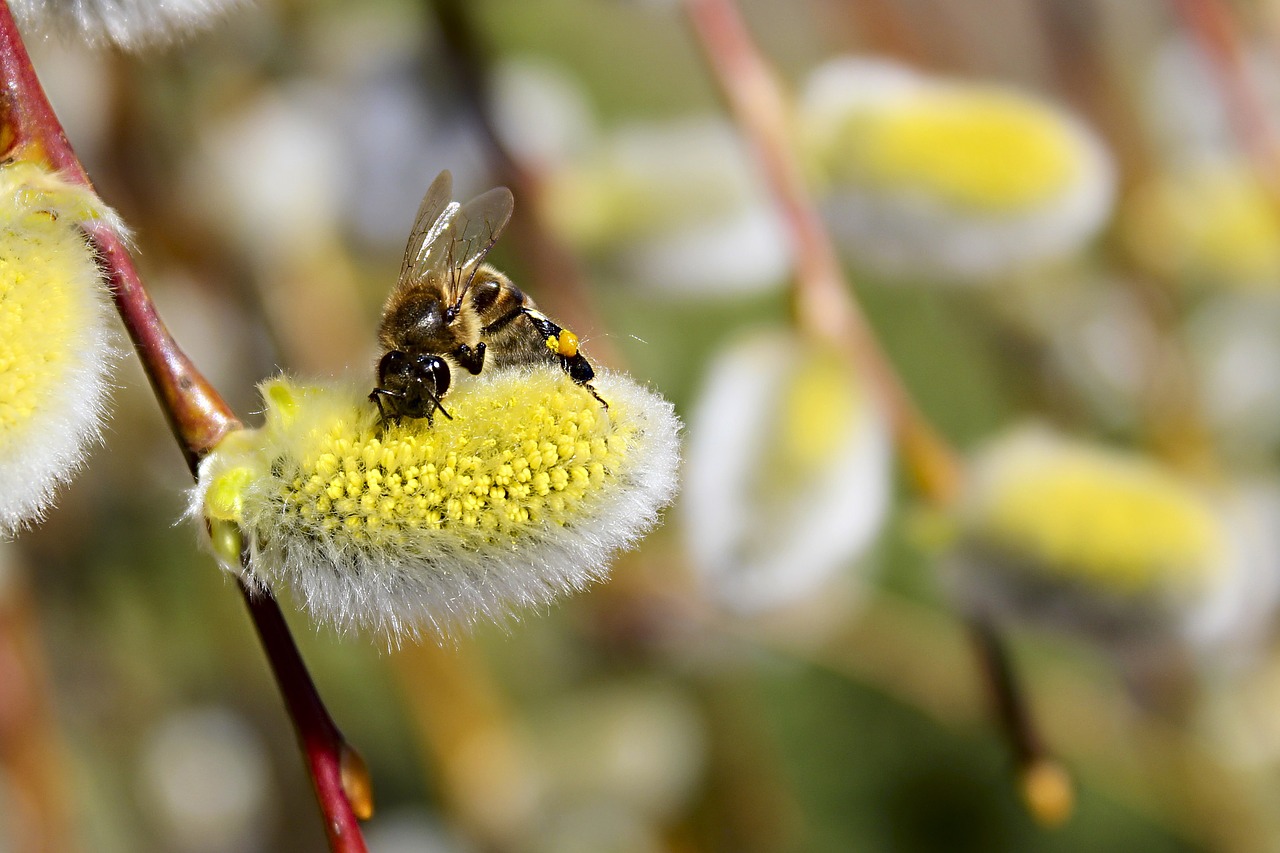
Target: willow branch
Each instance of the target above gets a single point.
(199, 418)
(1212, 25)
(821, 296)
(825, 308)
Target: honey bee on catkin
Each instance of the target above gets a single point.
(452, 311)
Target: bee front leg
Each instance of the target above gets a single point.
(471, 359)
(376, 396)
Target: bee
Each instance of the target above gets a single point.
(452, 311)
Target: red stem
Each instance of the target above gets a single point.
(197, 414)
(335, 767)
(199, 418)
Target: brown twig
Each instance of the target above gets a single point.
(1212, 25)
(825, 308)
(821, 300)
(31, 751)
(199, 418)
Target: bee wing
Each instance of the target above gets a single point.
(468, 236)
(434, 214)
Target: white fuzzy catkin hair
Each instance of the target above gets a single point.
(130, 24)
(55, 341)
(766, 527)
(525, 494)
(905, 230)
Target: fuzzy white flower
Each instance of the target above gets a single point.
(131, 24)
(788, 474)
(206, 778)
(542, 113)
(1103, 343)
(934, 177)
(676, 206)
(55, 351)
(524, 494)
(1113, 545)
(1212, 224)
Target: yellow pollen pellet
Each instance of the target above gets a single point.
(568, 344)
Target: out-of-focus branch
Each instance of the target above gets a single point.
(199, 418)
(480, 757)
(1212, 25)
(825, 308)
(821, 297)
(31, 754)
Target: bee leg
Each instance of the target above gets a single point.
(542, 323)
(376, 396)
(471, 359)
(580, 371)
(603, 402)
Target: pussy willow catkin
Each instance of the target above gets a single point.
(524, 494)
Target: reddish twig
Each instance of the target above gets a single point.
(1212, 25)
(199, 418)
(825, 308)
(821, 297)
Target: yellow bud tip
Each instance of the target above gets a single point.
(568, 346)
(225, 499)
(226, 541)
(282, 401)
(1048, 793)
(356, 783)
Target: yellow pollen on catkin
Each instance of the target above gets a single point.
(1120, 523)
(977, 148)
(44, 305)
(1216, 224)
(535, 449)
(818, 410)
(523, 494)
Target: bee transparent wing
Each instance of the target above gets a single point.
(434, 214)
(468, 236)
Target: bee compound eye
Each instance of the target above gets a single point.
(436, 369)
(393, 363)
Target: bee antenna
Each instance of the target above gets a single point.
(457, 306)
(435, 401)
